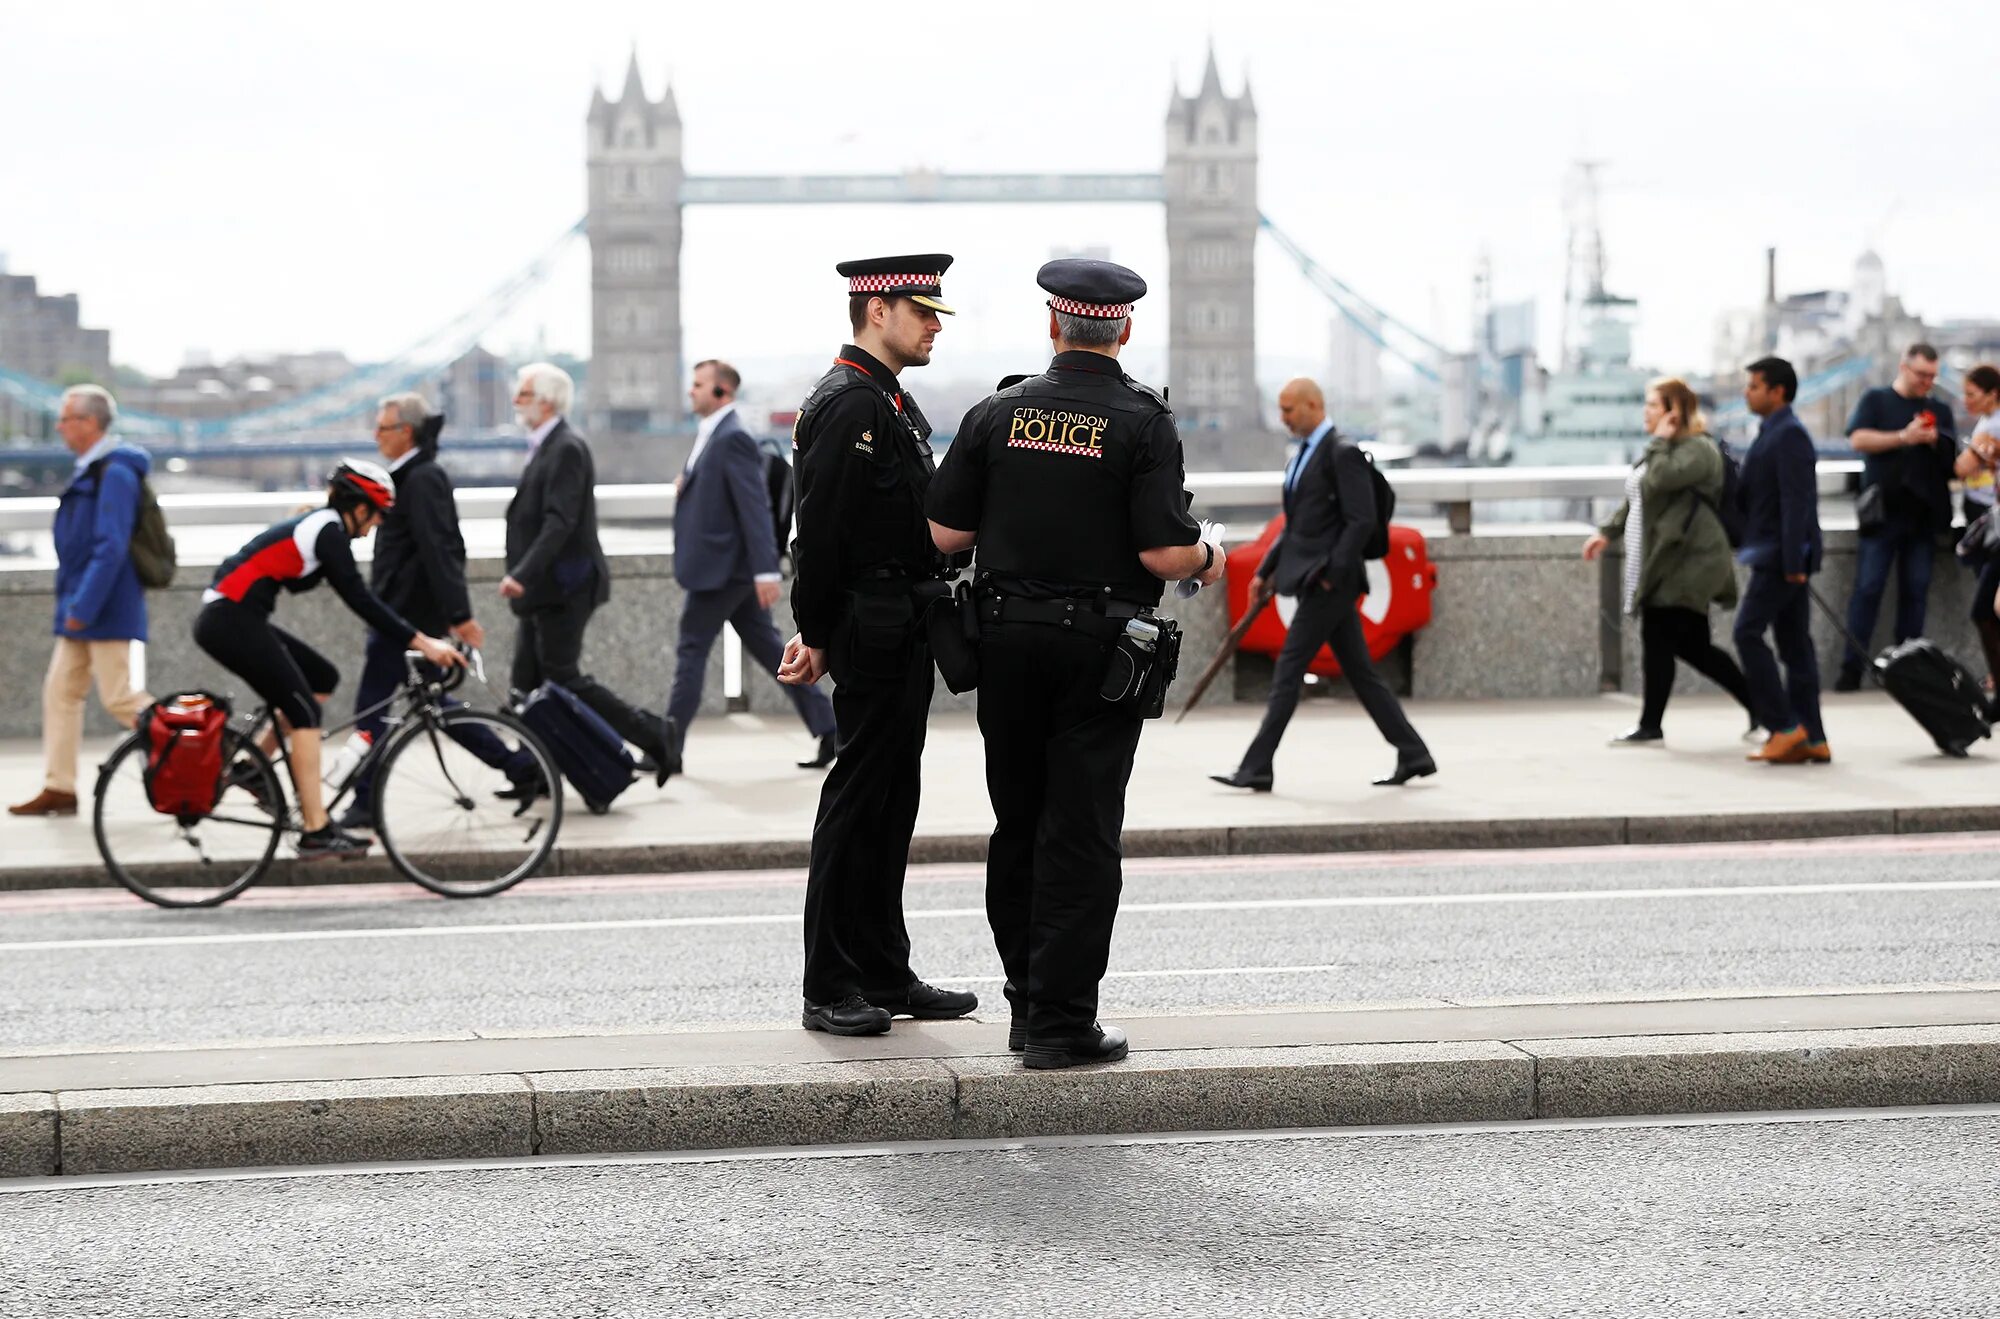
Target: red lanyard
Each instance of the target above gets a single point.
(896, 398)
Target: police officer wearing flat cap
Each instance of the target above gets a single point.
(864, 464)
(1070, 485)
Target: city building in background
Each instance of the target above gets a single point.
(42, 336)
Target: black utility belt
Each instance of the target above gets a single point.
(1101, 623)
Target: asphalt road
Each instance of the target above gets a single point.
(1879, 1215)
(87, 969)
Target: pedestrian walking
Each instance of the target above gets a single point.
(1908, 442)
(100, 604)
(1677, 560)
(1779, 497)
(419, 572)
(1975, 467)
(864, 466)
(556, 572)
(726, 558)
(1071, 485)
(1329, 503)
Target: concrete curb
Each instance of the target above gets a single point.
(1220, 840)
(987, 1095)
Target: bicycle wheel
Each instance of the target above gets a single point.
(175, 862)
(438, 812)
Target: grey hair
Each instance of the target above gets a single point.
(411, 410)
(1089, 331)
(549, 383)
(97, 403)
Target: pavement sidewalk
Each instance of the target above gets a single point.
(554, 1095)
(1513, 774)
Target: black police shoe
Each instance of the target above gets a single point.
(1017, 1036)
(824, 757)
(853, 1015)
(926, 1002)
(1103, 1044)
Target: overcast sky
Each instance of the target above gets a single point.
(238, 177)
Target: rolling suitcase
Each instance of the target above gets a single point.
(1941, 694)
(585, 748)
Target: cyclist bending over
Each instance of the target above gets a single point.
(235, 627)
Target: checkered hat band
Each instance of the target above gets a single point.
(926, 284)
(1106, 311)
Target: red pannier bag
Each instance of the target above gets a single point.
(184, 752)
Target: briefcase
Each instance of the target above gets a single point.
(587, 750)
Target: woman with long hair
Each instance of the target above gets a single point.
(1677, 557)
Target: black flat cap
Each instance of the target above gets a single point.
(1080, 286)
(918, 278)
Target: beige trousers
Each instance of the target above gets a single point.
(71, 668)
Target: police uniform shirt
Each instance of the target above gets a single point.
(864, 462)
(1065, 477)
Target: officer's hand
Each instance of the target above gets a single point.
(802, 665)
(471, 633)
(1214, 573)
(768, 593)
(1259, 586)
(511, 589)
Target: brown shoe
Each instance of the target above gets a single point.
(47, 802)
(1812, 753)
(1781, 748)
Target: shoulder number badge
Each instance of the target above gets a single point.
(866, 444)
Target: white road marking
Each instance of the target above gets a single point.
(1352, 900)
(769, 1154)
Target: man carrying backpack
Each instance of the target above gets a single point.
(100, 602)
(1320, 558)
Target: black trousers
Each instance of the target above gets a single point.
(382, 672)
(1983, 620)
(1668, 633)
(855, 938)
(548, 647)
(1058, 759)
(1785, 610)
(1326, 618)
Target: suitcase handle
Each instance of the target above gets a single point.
(1840, 625)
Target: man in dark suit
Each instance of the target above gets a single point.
(726, 556)
(418, 571)
(556, 572)
(1329, 501)
(1779, 494)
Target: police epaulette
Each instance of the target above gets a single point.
(1159, 396)
(1008, 382)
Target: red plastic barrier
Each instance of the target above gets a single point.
(1398, 600)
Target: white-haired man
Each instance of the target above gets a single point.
(556, 572)
(100, 604)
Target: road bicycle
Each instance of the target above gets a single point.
(445, 815)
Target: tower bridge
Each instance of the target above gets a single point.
(1207, 186)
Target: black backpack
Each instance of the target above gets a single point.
(1377, 545)
(778, 488)
(1729, 510)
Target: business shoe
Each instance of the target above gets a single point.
(1780, 748)
(1848, 681)
(1638, 735)
(46, 802)
(1407, 770)
(1239, 779)
(1104, 1044)
(667, 759)
(524, 790)
(828, 749)
(925, 1002)
(853, 1015)
(1814, 753)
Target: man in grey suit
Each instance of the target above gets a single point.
(726, 556)
(1329, 500)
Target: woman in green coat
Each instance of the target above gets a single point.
(1677, 556)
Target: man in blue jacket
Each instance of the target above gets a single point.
(100, 606)
(726, 556)
(1779, 494)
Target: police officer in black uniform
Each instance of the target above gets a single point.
(1070, 483)
(863, 465)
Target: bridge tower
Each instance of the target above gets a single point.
(634, 223)
(1210, 187)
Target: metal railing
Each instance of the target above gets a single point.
(1455, 489)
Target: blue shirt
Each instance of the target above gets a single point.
(1304, 455)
